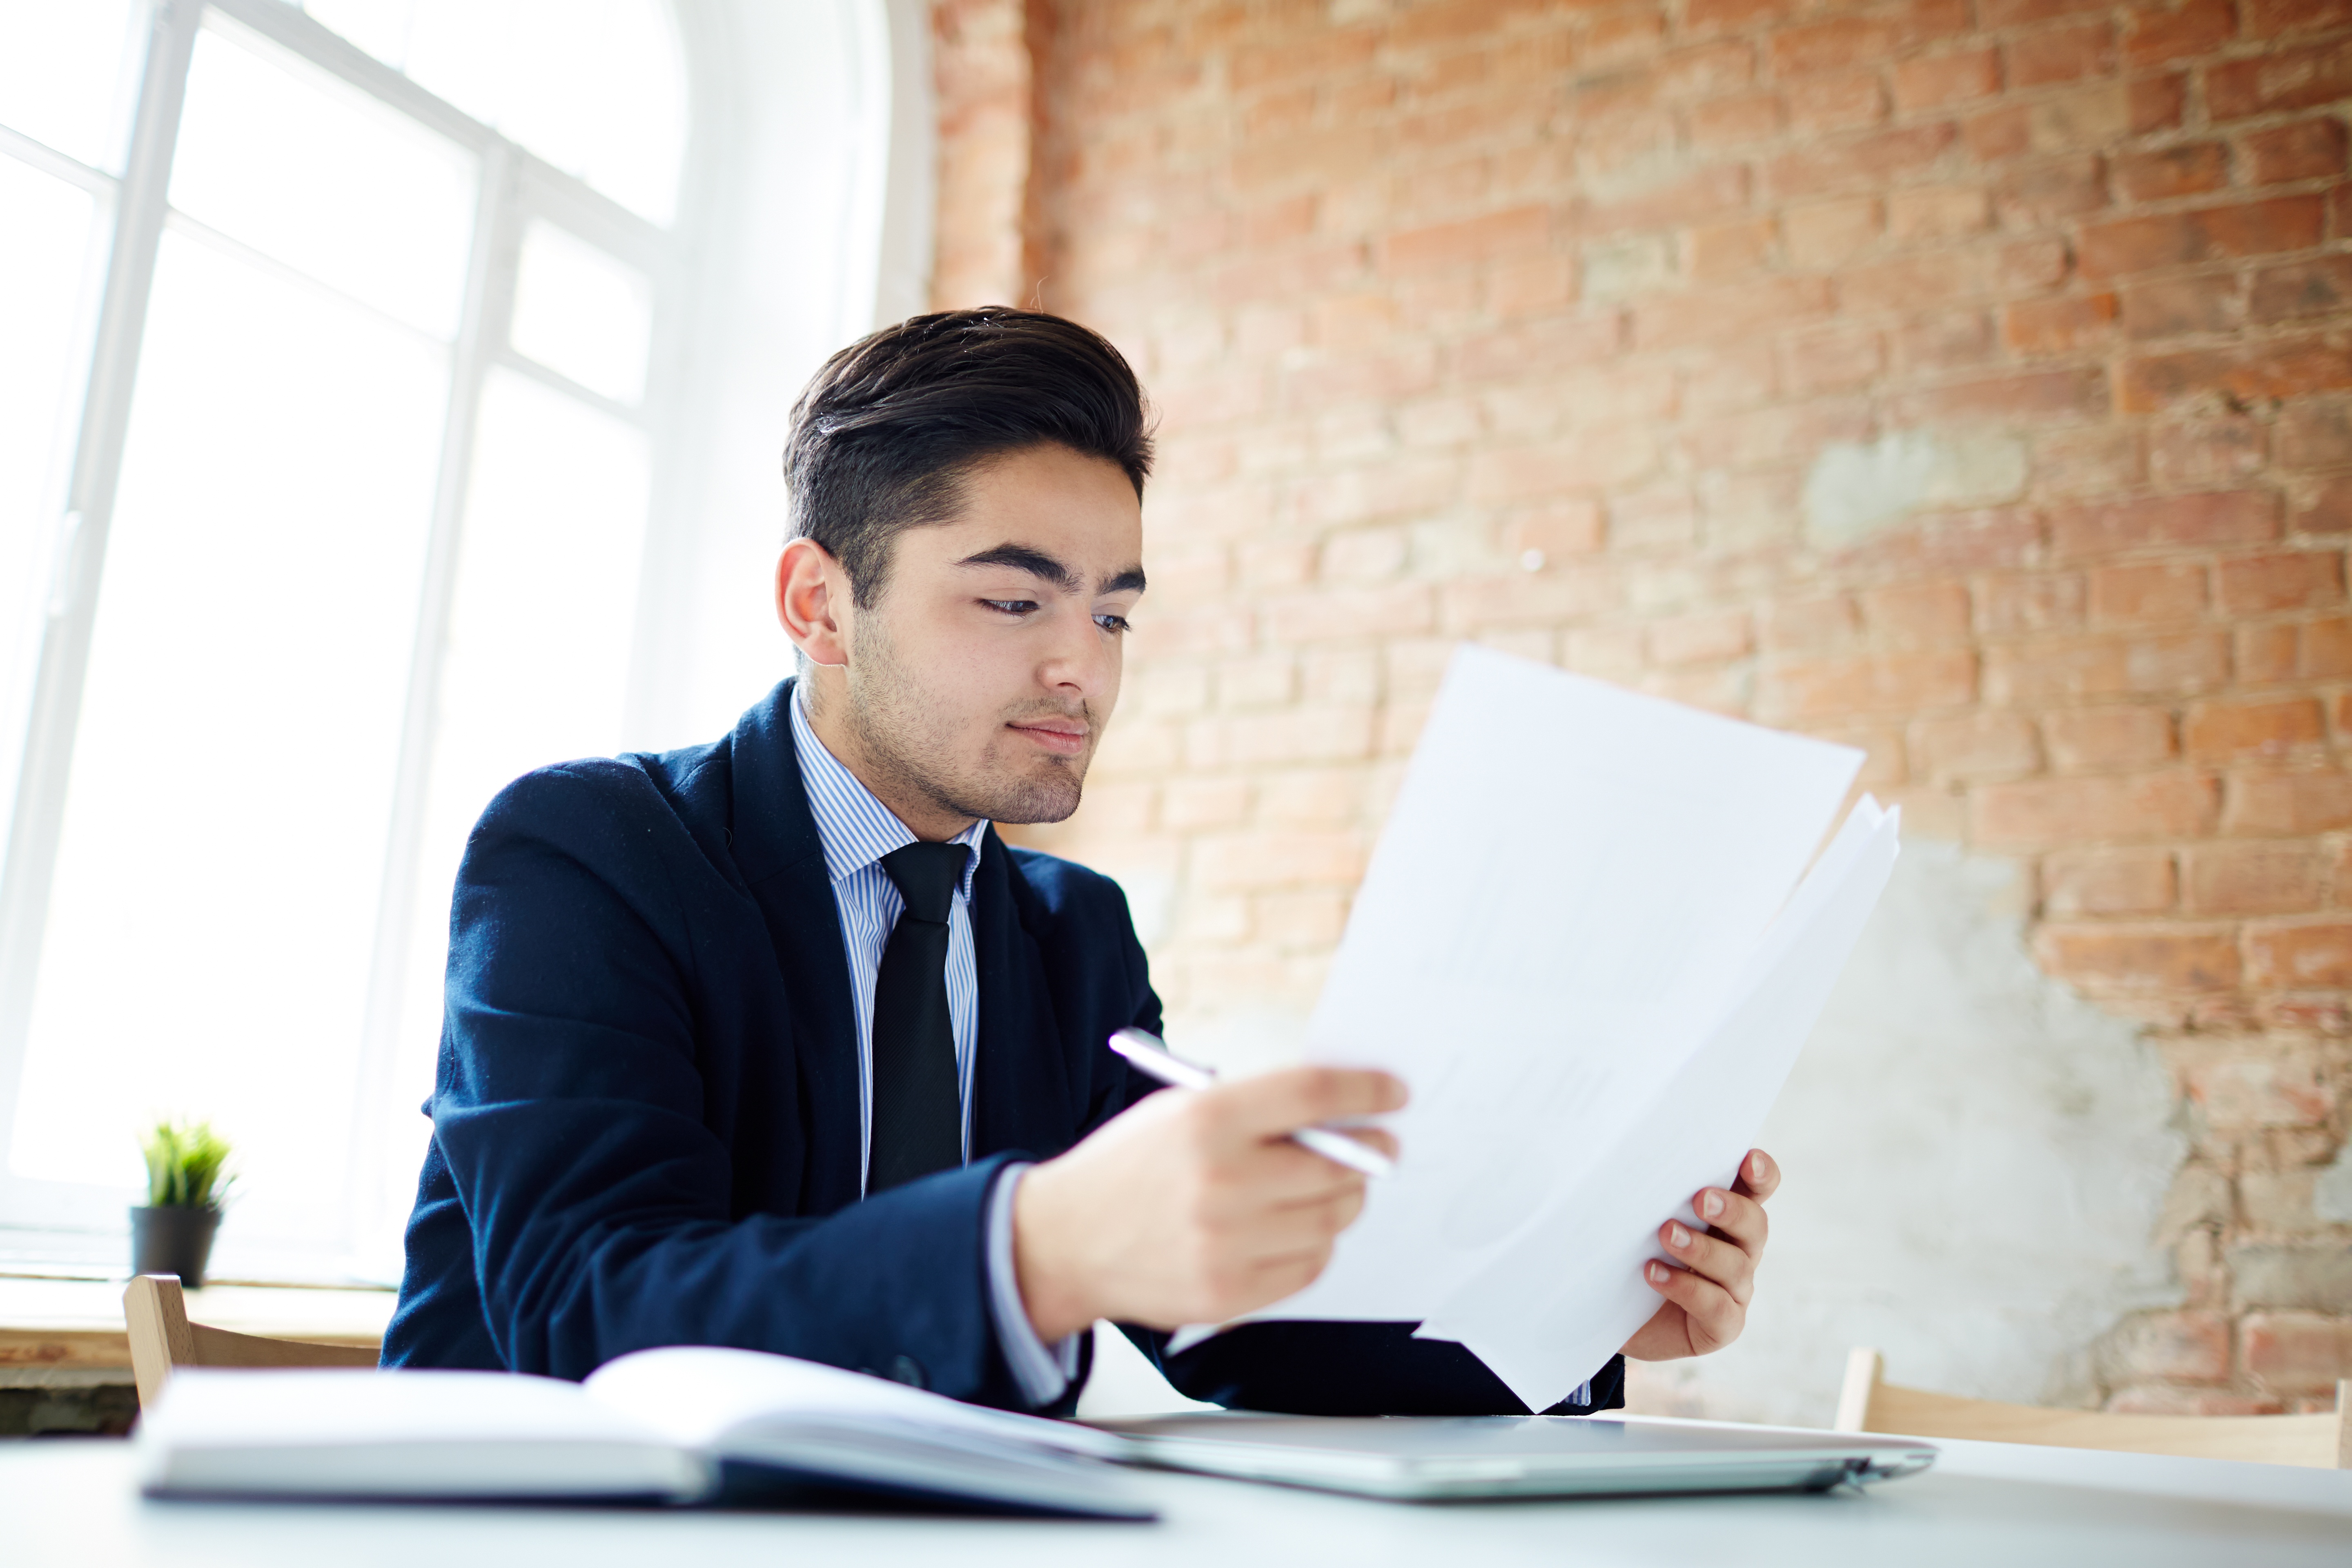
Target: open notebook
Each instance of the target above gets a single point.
(678, 1426)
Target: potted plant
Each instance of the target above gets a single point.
(185, 1185)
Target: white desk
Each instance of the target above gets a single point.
(73, 1502)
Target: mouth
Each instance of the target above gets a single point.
(1058, 737)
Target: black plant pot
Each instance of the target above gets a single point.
(177, 1239)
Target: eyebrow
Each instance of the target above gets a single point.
(1037, 563)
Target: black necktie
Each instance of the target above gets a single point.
(917, 1111)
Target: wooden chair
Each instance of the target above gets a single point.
(1870, 1404)
(157, 1312)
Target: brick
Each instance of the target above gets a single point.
(2061, 53)
(2094, 810)
(1895, 683)
(2243, 1090)
(2194, 454)
(2106, 883)
(2302, 289)
(2172, 1347)
(1590, 459)
(2190, 169)
(1189, 804)
(2296, 1352)
(1717, 192)
(2147, 594)
(2275, 18)
(2298, 581)
(2313, 1279)
(2308, 150)
(2279, 79)
(1864, 162)
(1245, 861)
(1937, 213)
(2204, 234)
(1516, 231)
(2288, 804)
(2325, 508)
(2250, 879)
(1918, 614)
(2140, 958)
(1811, 624)
(2280, 368)
(2159, 37)
(2092, 739)
(1390, 610)
(2013, 399)
(1976, 746)
(2073, 462)
(1712, 638)
(2173, 306)
(1830, 234)
(2324, 650)
(1833, 360)
(2058, 326)
(2153, 103)
(1555, 531)
(1936, 81)
(1845, 102)
(1726, 250)
(1737, 121)
(1717, 315)
(2197, 521)
(1543, 347)
(2040, 194)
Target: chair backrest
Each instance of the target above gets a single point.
(1870, 1404)
(155, 1311)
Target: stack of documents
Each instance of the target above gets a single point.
(1578, 943)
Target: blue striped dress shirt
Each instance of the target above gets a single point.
(856, 831)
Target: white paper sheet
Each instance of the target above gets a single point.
(1556, 1303)
(1572, 877)
(1570, 871)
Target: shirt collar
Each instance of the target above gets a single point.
(856, 829)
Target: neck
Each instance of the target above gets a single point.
(828, 717)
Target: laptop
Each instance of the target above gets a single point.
(1448, 1457)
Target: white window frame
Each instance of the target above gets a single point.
(873, 194)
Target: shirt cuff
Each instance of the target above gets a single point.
(1043, 1371)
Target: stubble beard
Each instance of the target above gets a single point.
(909, 739)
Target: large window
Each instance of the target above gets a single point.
(344, 350)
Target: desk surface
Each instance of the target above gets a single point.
(73, 1502)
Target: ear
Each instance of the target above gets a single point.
(813, 602)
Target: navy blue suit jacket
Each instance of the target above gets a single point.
(645, 1117)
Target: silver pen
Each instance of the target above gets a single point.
(1154, 1059)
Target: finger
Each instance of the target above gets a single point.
(1729, 1215)
(1716, 1319)
(1280, 1172)
(1278, 1102)
(1712, 1258)
(1292, 1229)
(1760, 1175)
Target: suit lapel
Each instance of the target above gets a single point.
(1021, 1099)
(783, 862)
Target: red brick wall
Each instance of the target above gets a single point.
(1531, 322)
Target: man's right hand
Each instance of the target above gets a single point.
(1194, 1206)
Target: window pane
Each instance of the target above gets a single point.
(48, 283)
(281, 157)
(581, 314)
(218, 873)
(69, 71)
(537, 660)
(596, 88)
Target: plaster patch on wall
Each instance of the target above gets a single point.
(1855, 488)
(2331, 1194)
(1975, 1161)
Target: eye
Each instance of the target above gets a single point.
(1115, 625)
(1010, 606)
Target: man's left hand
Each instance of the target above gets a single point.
(1707, 1295)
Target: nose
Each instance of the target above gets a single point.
(1080, 661)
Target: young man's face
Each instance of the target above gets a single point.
(977, 683)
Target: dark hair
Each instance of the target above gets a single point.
(885, 433)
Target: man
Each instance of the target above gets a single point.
(774, 1043)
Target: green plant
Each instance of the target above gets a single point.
(183, 1165)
